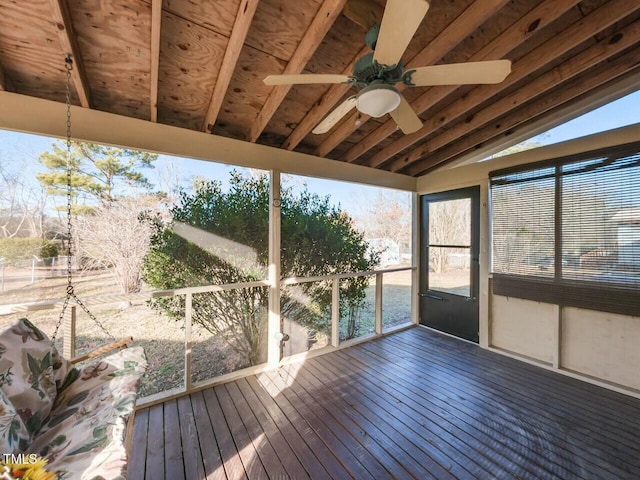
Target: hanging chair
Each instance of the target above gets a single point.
(77, 420)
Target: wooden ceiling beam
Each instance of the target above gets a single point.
(463, 26)
(5, 83)
(579, 32)
(363, 12)
(518, 33)
(584, 85)
(322, 22)
(67, 36)
(244, 17)
(573, 67)
(156, 23)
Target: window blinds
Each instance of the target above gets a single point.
(567, 231)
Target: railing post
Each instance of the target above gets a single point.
(274, 327)
(335, 313)
(188, 313)
(69, 335)
(379, 303)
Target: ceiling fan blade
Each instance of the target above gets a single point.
(406, 118)
(493, 71)
(400, 21)
(305, 79)
(334, 117)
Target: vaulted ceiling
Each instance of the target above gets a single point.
(199, 64)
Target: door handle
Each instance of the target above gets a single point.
(434, 297)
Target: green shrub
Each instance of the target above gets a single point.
(230, 245)
(48, 249)
(25, 248)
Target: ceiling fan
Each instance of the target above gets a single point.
(376, 74)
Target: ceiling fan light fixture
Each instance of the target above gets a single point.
(378, 100)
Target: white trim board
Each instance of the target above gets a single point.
(44, 117)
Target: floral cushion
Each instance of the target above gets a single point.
(31, 372)
(84, 435)
(13, 432)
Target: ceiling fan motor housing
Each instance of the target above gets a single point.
(367, 71)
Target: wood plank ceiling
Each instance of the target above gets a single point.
(199, 64)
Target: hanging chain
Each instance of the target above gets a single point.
(68, 64)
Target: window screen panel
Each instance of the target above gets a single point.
(601, 220)
(523, 206)
(567, 231)
(449, 246)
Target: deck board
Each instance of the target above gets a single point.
(415, 405)
(193, 462)
(139, 445)
(173, 455)
(154, 465)
(208, 442)
(312, 451)
(563, 424)
(281, 447)
(228, 452)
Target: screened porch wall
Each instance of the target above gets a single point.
(594, 346)
(598, 344)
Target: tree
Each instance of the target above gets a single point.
(107, 180)
(97, 170)
(449, 223)
(117, 236)
(387, 214)
(218, 237)
(22, 206)
(535, 142)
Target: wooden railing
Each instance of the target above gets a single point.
(69, 327)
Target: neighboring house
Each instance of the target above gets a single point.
(388, 249)
(628, 221)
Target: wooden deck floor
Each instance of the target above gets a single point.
(415, 404)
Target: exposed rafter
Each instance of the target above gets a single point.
(573, 67)
(363, 12)
(522, 30)
(246, 10)
(69, 42)
(156, 22)
(4, 81)
(580, 31)
(322, 22)
(607, 72)
(458, 30)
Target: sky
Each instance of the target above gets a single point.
(20, 151)
(622, 112)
